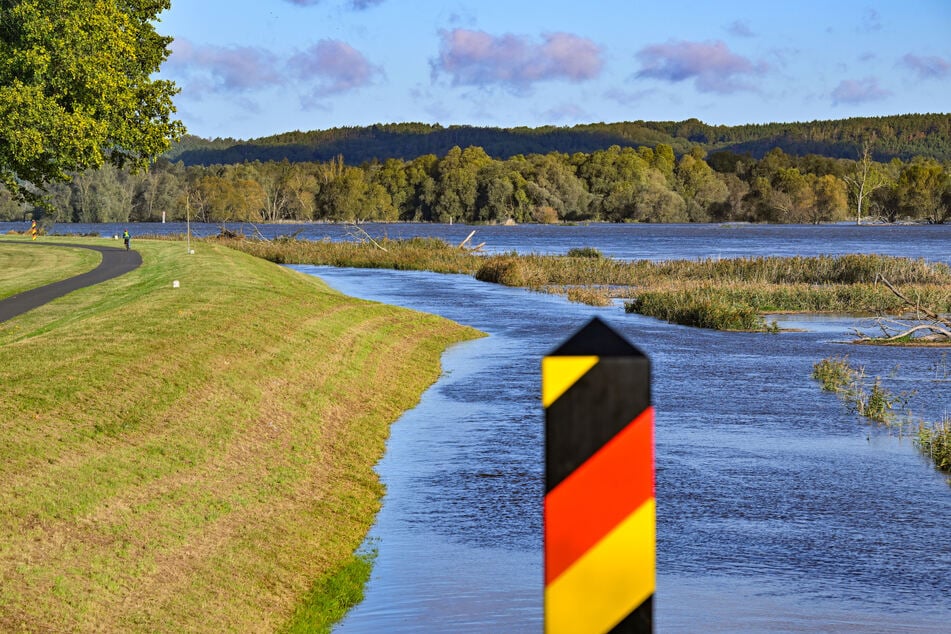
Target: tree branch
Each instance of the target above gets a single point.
(924, 309)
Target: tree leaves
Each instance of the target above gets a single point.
(76, 89)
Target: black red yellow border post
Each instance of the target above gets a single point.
(600, 527)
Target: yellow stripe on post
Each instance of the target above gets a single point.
(608, 582)
(560, 373)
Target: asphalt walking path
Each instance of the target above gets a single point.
(115, 262)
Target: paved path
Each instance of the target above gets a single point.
(115, 262)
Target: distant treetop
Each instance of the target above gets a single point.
(899, 136)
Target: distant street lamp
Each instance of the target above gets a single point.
(188, 225)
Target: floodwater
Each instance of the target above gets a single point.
(777, 509)
(624, 241)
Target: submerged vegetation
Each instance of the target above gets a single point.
(834, 373)
(934, 440)
(868, 397)
(725, 294)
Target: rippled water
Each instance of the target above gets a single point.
(777, 509)
(626, 241)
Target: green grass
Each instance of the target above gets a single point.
(25, 265)
(331, 598)
(703, 307)
(196, 459)
(585, 252)
(416, 254)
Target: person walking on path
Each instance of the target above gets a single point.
(126, 238)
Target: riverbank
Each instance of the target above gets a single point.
(196, 458)
(722, 294)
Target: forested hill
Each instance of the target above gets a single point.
(901, 136)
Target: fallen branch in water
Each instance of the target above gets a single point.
(937, 334)
(464, 243)
(367, 236)
(939, 328)
(923, 309)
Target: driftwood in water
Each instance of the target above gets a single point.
(939, 328)
(366, 235)
(464, 243)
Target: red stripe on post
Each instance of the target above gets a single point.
(611, 485)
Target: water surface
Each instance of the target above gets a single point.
(625, 241)
(777, 509)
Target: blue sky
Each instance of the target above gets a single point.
(252, 68)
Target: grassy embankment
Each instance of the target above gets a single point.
(197, 459)
(727, 294)
(24, 268)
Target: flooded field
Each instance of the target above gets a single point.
(777, 509)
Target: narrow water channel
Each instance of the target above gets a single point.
(778, 510)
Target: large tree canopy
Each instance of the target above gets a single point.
(76, 88)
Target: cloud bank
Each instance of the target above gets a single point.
(927, 67)
(856, 91)
(329, 67)
(476, 58)
(224, 69)
(711, 65)
(335, 65)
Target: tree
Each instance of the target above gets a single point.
(699, 186)
(921, 185)
(77, 89)
(864, 180)
(831, 198)
(793, 195)
(10, 207)
(420, 176)
(495, 201)
(274, 179)
(158, 192)
(551, 182)
(343, 197)
(457, 185)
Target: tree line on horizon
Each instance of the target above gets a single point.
(898, 136)
(618, 184)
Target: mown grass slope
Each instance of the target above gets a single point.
(196, 459)
(24, 267)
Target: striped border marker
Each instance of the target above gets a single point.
(600, 541)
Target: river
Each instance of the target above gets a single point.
(624, 241)
(777, 509)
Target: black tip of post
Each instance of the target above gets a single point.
(597, 339)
